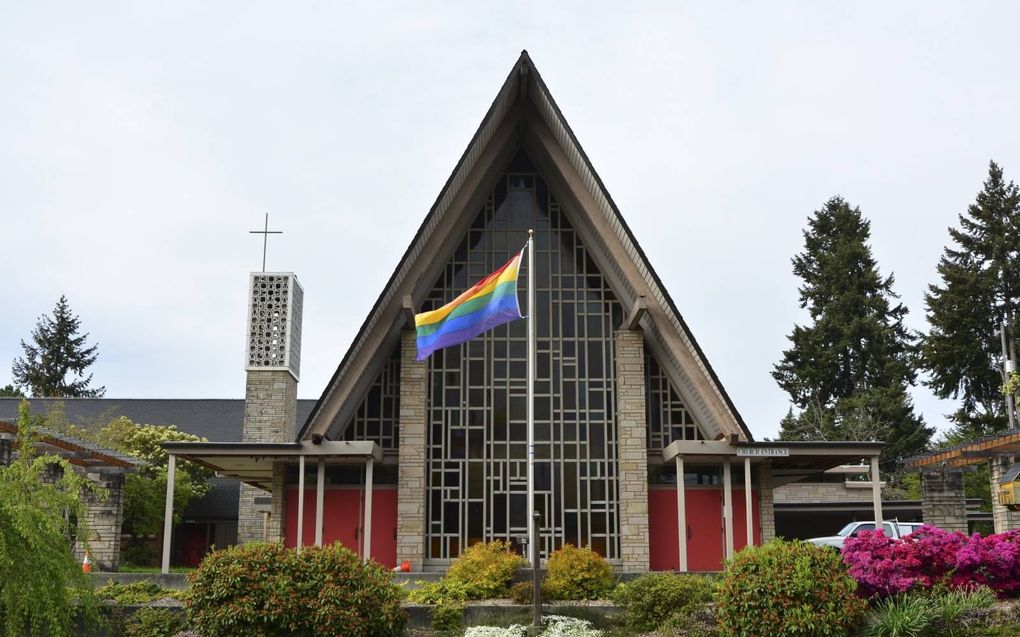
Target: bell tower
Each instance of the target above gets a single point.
(272, 364)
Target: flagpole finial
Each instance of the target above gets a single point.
(531, 232)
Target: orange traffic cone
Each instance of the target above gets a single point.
(86, 564)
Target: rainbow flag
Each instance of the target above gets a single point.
(488, 303)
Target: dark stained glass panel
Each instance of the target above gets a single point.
(377, 417)
(668, 417)
(477, 438)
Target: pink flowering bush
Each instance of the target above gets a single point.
(930, 556)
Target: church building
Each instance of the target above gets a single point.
(412, 461)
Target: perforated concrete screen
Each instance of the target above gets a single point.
(274, 322)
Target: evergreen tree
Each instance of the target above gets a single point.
(979, 287)
(56, 351)
(848, 370)
(10, 391)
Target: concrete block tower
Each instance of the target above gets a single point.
(272, 364)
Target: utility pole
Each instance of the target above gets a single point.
(1008, 367)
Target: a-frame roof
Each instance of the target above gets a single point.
(524, 114)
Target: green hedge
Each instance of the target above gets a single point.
(269, 590)
(648, 601)
(787, 589)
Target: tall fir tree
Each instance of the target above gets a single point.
(57, 351)
(979, 287)
(849, 370)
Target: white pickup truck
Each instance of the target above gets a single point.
(891, 528)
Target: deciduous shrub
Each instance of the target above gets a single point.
(486, 569)
(576, 573)
(786, 589)
(266, 589)
(650, 599)
(930, 556)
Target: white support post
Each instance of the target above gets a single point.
(727, 476)
(876, 493)
(300, 502)
(748, 510)
(368, 509)
(681, 512)
(168, 514)
(320, 486)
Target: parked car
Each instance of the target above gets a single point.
(891, 528)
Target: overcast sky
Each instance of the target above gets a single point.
(139, 142)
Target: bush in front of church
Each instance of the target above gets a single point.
(574, 573)
(787, 589)
(486, 569)
(266, 589)
(655, 599)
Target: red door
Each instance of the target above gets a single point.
(704, 530)
(343, 520)
(194, 543)
(740, 519)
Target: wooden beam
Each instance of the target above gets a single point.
(639, 309)
(968, 454)
(408, 309)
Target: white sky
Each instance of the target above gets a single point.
(139, 142)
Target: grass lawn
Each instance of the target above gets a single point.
(154, 570)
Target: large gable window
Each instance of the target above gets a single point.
(477, 469)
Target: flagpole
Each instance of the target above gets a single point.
(532, 544)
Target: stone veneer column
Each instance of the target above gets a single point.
(103, 517)
(632, 443)
(411, 470)
(943, 503)
(766, 502)
(1003, 518)
(270, 414)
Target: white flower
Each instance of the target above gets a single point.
(555, 626)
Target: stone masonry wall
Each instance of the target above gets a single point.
(411, 470)
(632, 445)
(1002, 518)
(823, 492)
(943, 503)
(278, 514)
(766, 502)
(270, 415)
(103, 518)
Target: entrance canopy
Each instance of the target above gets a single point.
(790, 460)
(252, 462)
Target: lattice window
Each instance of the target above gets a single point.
(668, 417)
(477, 469)
(377, 417)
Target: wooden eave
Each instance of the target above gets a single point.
(81, 454)
(970, 453)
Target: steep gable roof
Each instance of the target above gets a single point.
(524, 114)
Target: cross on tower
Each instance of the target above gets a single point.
(265, 232)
